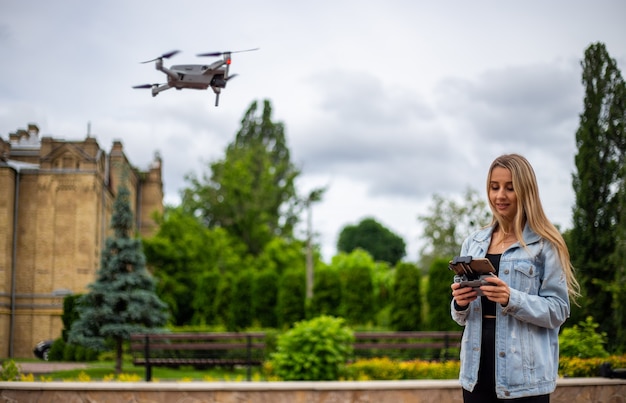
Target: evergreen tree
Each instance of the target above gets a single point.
(439, 296)
(406, 314)
(290, 304)
(597, 182)
(122, 300)
(357, 288)
(327, 292)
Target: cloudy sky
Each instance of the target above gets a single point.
(384, 102)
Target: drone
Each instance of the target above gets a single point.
(194, 76)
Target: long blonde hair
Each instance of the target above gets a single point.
(530, 210)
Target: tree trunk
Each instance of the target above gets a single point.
(118, 355)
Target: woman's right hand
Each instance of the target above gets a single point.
(463, 295)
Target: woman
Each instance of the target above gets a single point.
(510, 342)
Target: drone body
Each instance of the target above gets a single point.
(194, 76)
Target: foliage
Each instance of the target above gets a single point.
(69, 314)
(583, 340)
(202, 303)
(10, 371)
(327, 296)
(355, 270)
(448, 222)
(264, 297)
(223, 300)
(599, 186)
(439, 296)
(313, 350)
(406, 314)
(576, 367)
(241, 306)
(123, 298)
(183, 254)
(373, 237)
(57, 350)
(251, 192)
(381, 369)
(290, 304)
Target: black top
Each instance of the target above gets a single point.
(489, 307)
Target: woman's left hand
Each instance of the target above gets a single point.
(497, 291)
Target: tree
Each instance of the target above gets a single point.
(357, 289)
(439, 296)
(406, 314)
(241, 306)
(373, 237)
(182, 253)
(597, 183)
(123, 298)
(290, 303)
(251, 192)
(264, 297)
(449, 223)
(327, 296)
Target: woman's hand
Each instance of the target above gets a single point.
(497, 291)
(463, 295)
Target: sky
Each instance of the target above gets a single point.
(384, 103)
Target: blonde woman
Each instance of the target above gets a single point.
(510, 346)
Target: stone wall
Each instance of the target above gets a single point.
(575, 390)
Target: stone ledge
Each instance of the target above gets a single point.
(569, 390)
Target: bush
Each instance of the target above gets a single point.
(575, 367)
(57, 350)
(10, 371)
(313, 350)
(583, 341)
(385, 369)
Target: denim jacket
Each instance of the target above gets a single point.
(527, 329)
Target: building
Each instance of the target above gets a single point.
(56, 200)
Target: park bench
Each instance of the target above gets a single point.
(429, 345)
(203, 350)
(200, 350)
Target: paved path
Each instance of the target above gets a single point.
(46, 367)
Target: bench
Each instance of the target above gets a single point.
(429, 345)
(203, 350)
(200, 350)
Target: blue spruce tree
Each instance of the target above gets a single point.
(123, 299)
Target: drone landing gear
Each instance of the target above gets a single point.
(217, 95)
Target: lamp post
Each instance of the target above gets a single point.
(314, 196)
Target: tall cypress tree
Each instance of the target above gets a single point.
(123, 298)
(597, 182)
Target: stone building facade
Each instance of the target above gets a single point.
(56, 200)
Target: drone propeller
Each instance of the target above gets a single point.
(163, 56)
(213, 54)
(146, 86)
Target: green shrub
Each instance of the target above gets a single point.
(57, 349)
(69, 353)
(313, 350)
(583, 341)
(10, 371)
